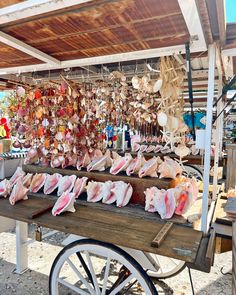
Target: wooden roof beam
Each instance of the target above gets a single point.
(19, 45)
(220, 7)
(31, 8)
(193, 22)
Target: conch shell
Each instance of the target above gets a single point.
(64, 203)
(18, 193)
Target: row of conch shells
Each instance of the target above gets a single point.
(176, 200)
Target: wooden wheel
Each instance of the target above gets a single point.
(166, 267)
(92, 267)
(193, 171)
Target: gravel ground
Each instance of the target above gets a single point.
(41, 255)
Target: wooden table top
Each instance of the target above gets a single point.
(126, 227)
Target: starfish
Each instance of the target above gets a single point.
(170, 138)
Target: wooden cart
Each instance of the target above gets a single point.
(142, 239)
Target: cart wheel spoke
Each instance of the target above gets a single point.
(92, 273)
(72, 287)
(122, 285)
(83, 263)
(83, 280)
(106, 274)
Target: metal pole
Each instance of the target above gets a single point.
(190, 86)
(217, 140)
(207, 156)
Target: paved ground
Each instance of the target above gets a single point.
(42, 254)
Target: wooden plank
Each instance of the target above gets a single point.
(230, 207)
(194, 160)
(130, 210)
(113, 227)
(139, 184)
(223, 245)
(205, 255)
(162, 234)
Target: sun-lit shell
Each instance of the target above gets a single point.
(157, 85)
(182, 151)
(162, 119)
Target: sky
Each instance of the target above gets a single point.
(230, 11)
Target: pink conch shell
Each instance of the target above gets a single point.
(160, 201)
(5, 188)
(150, 148)
(27, 179)
(115, 155)
(98, 164)
(149, 168)
(83, 161)
(135, 165)
(135, 147)
(96, 154)
(122, 192)
(64, 203)
(157, 149)
(109, 159)
(55, 162)
(69, 160)
(19, 192)
(38, 182)
(51, 183)
(151, 199)
(169, 168)
(143, 148)
(66, 183)
(94, 191)
(120, 164)
(18, 174)
(185, 194)
(79, 186)
(182, 151)
(165, 150)
(108, 196)
(170, 203)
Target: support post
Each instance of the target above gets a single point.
(21, 247)
(218, 139)
(207, 156)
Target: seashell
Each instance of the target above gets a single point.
(194, 150)
(135, 82)
(64, 203)
(45, 122)
(182, 151)
(157, 85)
(162, 119)
(20, 91)
(145, 79)
(60, 136)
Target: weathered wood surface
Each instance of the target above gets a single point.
(231, 164)
(139, 185)
(116, 227)
(130, 210)
(230, 209)
(191, 159)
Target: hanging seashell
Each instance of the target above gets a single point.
(135, 82)
(162, 119)
(157, 85)
(20, 91)
(182, 151)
